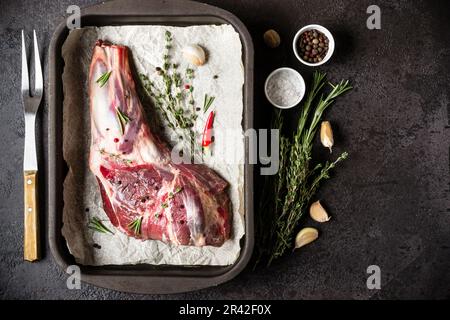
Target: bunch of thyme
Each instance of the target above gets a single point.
(174, 99)
(286, 195)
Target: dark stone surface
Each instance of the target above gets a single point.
(390, 200)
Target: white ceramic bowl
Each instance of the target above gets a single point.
(293, 73)
(330, 44)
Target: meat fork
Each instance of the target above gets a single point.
(30, 168)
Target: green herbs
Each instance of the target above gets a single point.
(207, 102)
(116, 157)
(178, 189)
(97, 225)
(135, 226)
(172, 93)
(122, 119)
(168, 38)
(103, 79)
(172, 101)
(286, 195)
(189, 74)
(172, 194)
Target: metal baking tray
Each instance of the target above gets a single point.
(143, 278)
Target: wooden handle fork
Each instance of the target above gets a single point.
(31, 217)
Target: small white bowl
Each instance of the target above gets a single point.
(320, 29)
(295, 75)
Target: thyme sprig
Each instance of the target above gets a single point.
(115, 156)
(176, 105)
(97, 225)
(287, 194)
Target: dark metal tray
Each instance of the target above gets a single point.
(143, 278)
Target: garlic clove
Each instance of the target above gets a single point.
(318, 213)
(194, 54)
(326, 135)
(305, 236)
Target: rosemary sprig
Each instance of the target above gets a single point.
(207, 102)
(286, 195)
(103, 79)
(135, 226)
(123, 119)
(97, 225)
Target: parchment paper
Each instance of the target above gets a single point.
(81, 194)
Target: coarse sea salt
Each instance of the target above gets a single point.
(284, 88)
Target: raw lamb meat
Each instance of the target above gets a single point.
(145, 194)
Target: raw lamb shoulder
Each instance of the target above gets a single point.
(144, 193)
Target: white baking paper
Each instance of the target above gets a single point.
(81, 194)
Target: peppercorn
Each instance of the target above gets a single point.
(313, 46)
(159, 71)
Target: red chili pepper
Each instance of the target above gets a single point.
(207, 131)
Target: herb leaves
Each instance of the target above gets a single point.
(135, 226)
(207, 102)
(123, 119)
(286, 195)
(172, 93)
(103, 79)
(97, 225)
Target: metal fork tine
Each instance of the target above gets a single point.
(38, 83)
(25, 78)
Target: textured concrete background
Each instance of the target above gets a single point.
(390, 200)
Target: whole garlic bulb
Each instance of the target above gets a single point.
(194, 54)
